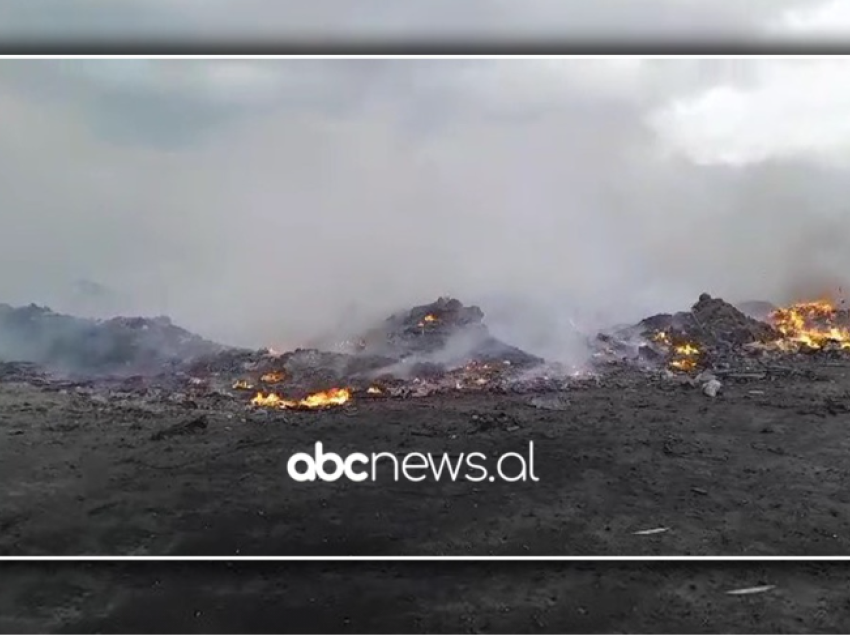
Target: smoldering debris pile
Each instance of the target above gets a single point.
(446, 331)
(711, 323)
(442, 346)
(98, 347)
(715, 335)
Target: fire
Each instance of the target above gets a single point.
(331, 397)
(242, 385)
(661, 338)
(272, 400)
(373, 390)
(811, 324)
(427, 320)
(687, 349)
(683, 364)
(685, 355)
(273, 377)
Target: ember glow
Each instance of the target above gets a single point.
(683, 364)
(684, 355)
(811, 324)
(687, 349)
(661, 338)
(273, 377)
(373, 390)
(430, 318)
(331, 397)
(242, 385)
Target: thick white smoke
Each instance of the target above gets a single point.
(557, 211)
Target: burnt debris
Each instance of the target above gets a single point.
(100, 347)
(446, 327)
(711, 323)
(441, 347)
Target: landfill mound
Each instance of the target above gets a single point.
(441, 346)
(711, 323)
(116, 346)
(715, 335)
(445, 326)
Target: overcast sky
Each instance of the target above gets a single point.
(266, 201)
(678, 19)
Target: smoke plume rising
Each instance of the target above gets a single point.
(356, 189)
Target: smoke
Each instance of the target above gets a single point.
(557, 212)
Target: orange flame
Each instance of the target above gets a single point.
(331, 397)
(810, 324)
(273, 377)
(685, 355)
(661, 338)
(687, 349)
(683, 364)
(427, 320)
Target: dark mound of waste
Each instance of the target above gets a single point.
(301, 370)
(711, 322)
(712, 332)
(440, 346)
(229, 363)
(87, 346)
(446, 331)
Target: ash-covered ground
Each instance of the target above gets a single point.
(708, 432)
(424, 598)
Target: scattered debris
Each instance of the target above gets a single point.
(751, 590)
(711, 387)
(440, 348)
(652, 531)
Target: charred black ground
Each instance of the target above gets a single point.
(743, 453)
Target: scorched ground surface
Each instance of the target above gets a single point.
(759, 470)
(403, 598)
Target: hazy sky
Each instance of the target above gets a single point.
(679, 19)
(266, 201)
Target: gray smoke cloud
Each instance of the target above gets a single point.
(286, 202)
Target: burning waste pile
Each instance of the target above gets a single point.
(440, 348)
(717, 337)
(435, 348)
